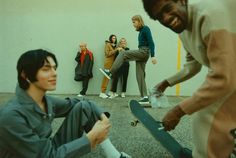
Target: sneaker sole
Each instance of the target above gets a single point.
(124, 155)
(80, 96)
(112, 97)
(144, 103)
(104, 73)
(103, 97)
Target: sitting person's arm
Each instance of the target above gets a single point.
(190, 69)
(23, 141)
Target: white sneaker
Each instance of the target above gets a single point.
(122, 95)
(103, 95)
(124, 155)
(80, 95)
(106, 73)
(109, 93)
(113, 95)
(144, 101)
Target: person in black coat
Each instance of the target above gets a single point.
(83, 70)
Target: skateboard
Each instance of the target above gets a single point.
(157, 131)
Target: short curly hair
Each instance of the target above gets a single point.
(148, 6)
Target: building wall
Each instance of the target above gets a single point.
(59, 26)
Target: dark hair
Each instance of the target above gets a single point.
(148, 6)
(29, 63)
(110, 38)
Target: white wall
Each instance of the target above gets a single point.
(59, 26)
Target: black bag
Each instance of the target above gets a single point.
(78, 76)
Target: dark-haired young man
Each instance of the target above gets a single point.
(25, 121)
(208, 32)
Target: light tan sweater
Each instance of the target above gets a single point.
(210, 40)
(109, 55)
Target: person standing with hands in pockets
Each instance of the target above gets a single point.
(83, 70)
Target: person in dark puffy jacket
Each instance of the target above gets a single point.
(83, 70)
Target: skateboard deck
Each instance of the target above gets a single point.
(157, 131)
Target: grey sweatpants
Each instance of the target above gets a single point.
(140, 56)
(81, 119)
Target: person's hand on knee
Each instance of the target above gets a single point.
(104, 118)
(99, 132)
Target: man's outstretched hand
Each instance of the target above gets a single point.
(172, 118)
(161, 87)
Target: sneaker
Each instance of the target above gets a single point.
(144, 101)
(106, 72)
(122, 95)
(80, 95)
(124, 155)
(109, 93)
(113, 95)
(103, 95)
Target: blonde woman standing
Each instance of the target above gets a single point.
(110, 52)
(122, 74)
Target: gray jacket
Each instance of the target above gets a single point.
(25, 129)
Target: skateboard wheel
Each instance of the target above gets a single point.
(134, 123)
